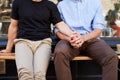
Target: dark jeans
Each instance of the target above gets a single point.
(97, 49)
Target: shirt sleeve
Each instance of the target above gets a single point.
(14, 13)
(98, 21)
(55, 15)
(59, 9)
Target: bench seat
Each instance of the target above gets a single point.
(11, 56)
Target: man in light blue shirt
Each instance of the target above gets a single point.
(81, 15)
(85, 17)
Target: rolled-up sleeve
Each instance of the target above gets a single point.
(98, 21)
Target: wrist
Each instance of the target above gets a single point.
(85, 37)
(67, 39)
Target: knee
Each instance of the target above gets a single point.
(62, 50)
(62, 47)
(114, 59)
(25, 74)
(111, 59)
(59, 54)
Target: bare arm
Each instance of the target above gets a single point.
(94, 34)
(65, 37)
(12, 33)
(62, 36)
(63, 28)
(80, 39)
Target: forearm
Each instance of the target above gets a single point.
(63, 28)
(94, 34)
(12, 33)
(62, 36)
(11, 36)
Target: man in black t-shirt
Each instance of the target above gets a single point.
(30, 31)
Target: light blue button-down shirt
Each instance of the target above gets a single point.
(82, 16)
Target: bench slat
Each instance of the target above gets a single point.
(82, 58)
(11, 56)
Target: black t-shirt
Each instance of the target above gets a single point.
(34, 18)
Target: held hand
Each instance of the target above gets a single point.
(76, 40)
(77, 45)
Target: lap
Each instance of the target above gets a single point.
(98, 50)
(64, 47)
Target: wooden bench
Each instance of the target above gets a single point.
(11, 56)
(7, 56)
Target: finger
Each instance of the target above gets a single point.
(76, 39)
(72, 37)
(3, 51)
(80, 44)
(73, 40)
(75, 45)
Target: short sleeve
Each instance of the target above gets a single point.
(55, 15)
(14, 13)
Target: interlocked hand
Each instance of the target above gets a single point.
(76, 40)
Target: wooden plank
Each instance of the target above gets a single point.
(82, 58)
(86, 58)
(11, 56)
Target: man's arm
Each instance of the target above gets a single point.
(12, 33)
(94, 34)
(62, 36)
(74, 40)
(63, 28)
(80, 39)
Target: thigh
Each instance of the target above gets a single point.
(42, 58)
(64, 47)
(24, 56)
(99, 50)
